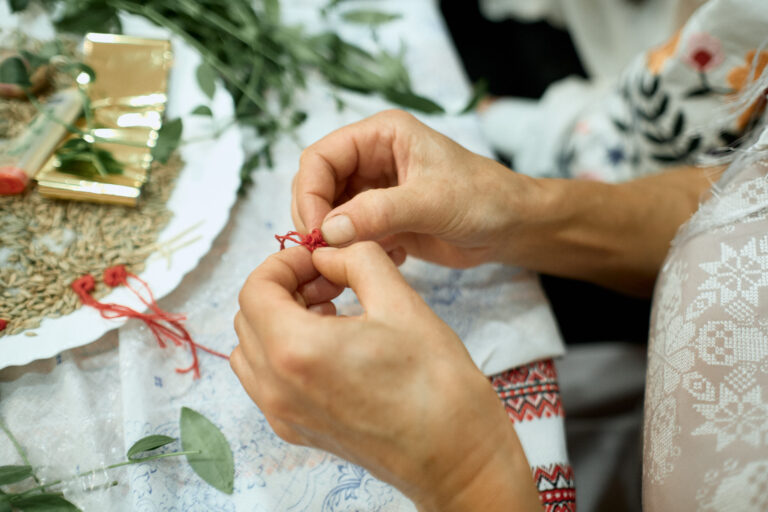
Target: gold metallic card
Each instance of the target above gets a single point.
(128, 98)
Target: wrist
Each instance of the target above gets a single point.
(494, 475)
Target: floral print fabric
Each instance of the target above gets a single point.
(675, 103)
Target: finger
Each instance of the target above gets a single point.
(364, 147)
(323, 309)
(297, 221)
(273, 284)
(250, 345)
(377, 213)
(369, 271)
(319, 290)
(254, 383)
(397, 255)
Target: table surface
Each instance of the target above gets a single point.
(85, 407)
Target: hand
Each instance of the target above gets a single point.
(393, 390)
(392, 179)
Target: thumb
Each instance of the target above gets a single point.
(376, 213)
(375, 279)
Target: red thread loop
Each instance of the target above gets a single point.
(312, 241)
(115, 276)
(165, 326)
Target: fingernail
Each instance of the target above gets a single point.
(338, 230)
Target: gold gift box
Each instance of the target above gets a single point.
(128, 99)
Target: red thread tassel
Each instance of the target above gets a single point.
(164, 325)
(312, 241)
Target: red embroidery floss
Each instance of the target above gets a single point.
(3, 324)
(165, 326)
(314, 240)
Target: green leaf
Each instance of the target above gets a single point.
(369, 17)
(5, 502)
(413, 101)
(202, 110)
(93, 17)
(298, 118)
(214, 463)
(168, 139)
(18, 5)
(147, 444)
(206, 79)
(479, 91)
(13, 71)
(43, 503)
(76, 156)
(12, 474)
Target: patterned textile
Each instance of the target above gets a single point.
(706, 406)
(531, 397)
(674, 104)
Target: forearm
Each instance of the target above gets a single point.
(614, 235)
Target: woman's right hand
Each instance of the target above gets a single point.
(392, 179)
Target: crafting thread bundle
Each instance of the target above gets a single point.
(164, 325)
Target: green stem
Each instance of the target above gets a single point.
(196, 10)
(19, 449)
(103, 468)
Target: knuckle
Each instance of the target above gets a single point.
(366, 249)
(395, 115)
(293, 361)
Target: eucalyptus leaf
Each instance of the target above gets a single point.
(43, 503)
(202, 110)
(413, 101)
(76, 156)
(214, 463)
(479, 91)
(149, 443)
(206, 79)
(369, 17)
(5, 502)
(12, 474)
(90, 17)
(18, 5)
(14, 71)
(168, 139)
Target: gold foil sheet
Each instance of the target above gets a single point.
(128, 99)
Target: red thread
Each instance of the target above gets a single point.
(165, 326)
(3, 324)
(312, 241)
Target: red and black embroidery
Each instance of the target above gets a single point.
(556, 487)
(530, 392)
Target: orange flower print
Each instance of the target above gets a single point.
(657, 57)
(737, 79)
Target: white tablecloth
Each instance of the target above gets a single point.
(85, 407)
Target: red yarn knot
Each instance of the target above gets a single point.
(115, 276)
(3, 324)
(84, 284)
(312, 241)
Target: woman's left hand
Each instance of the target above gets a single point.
(393, 390)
